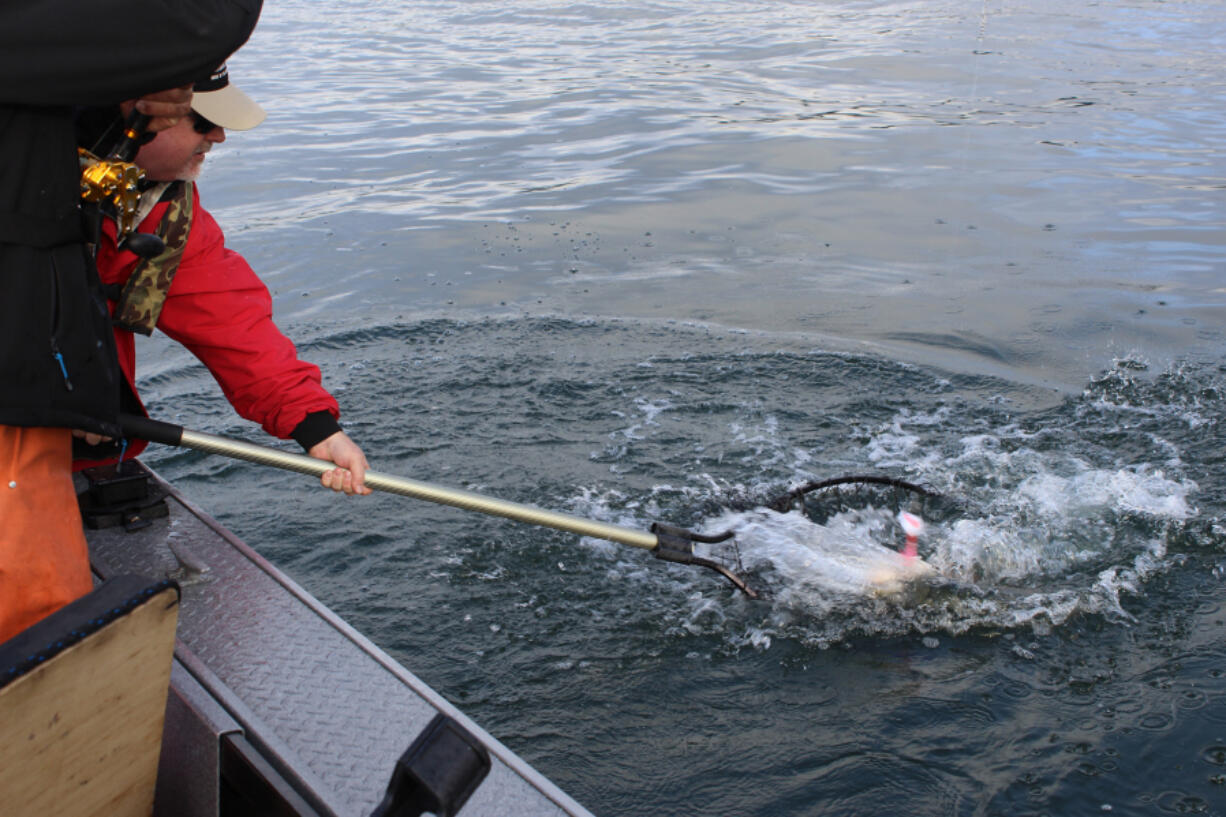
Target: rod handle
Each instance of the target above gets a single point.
(133, 136)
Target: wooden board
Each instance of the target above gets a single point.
(80, 735)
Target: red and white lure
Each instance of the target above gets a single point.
(912, 527)
(893, 573)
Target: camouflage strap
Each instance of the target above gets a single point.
(143, 295)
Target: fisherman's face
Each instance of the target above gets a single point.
(178, 152)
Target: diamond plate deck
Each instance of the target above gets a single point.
(330, 708)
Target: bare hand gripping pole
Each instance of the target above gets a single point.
(664, 541)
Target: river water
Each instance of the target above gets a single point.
(660, 261)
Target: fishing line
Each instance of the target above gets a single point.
(976, 54)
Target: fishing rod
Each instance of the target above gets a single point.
(667, 542)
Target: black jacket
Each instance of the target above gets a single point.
(57, 357)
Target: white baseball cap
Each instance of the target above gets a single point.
(224, 104)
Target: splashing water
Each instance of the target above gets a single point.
(1059, 537)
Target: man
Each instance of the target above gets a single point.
(57, 360)
(207, 297)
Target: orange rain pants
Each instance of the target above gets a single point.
(44, 561)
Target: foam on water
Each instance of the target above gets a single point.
(1030, 534)
(1047, 536)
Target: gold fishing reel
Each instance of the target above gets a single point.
(113, 181)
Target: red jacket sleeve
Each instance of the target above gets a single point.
(222, 312)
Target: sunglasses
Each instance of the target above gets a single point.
(202, 125)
